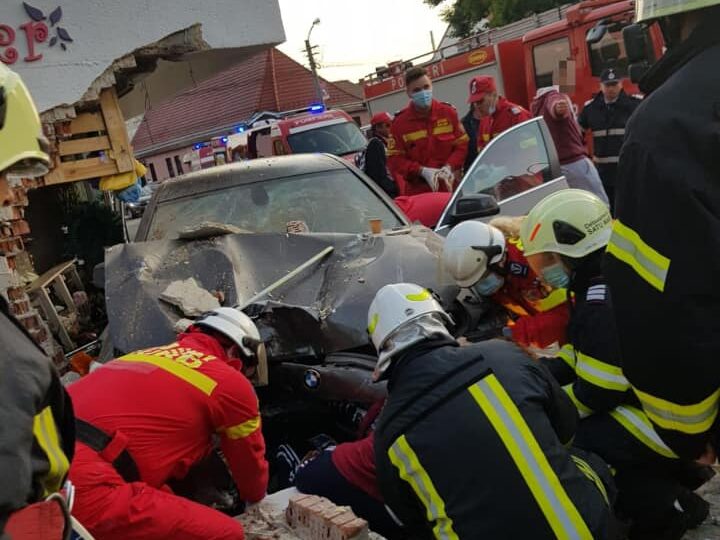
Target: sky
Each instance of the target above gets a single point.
(359, 34)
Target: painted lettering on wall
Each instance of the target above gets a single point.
(25, 39)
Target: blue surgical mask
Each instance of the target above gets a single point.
(556, 276)
(489, 285)
(422, 98)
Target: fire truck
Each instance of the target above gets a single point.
(568, 46)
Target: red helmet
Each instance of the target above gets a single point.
(381, 118)
(479, 86)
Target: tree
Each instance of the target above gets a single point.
(464, 15)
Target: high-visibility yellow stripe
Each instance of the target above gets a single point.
(600, 373)
(199, 380)
(462, 138)
(554, 502)
(240, 431)
(553, 300)
(419, 297)
(591, 475)
(415, 135)
(692, 419)
(583, 410)
(627, 246)
(46, 434)
(567, 354)
(373, 323)
(403, 457)
(441, 130)
(635, 421)
(393, 153)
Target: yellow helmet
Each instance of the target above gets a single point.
(648, 10)
(23, 148)
(571, 222)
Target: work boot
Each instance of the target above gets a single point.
(695, 508)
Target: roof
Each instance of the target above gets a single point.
(351, 88)
(270, 81)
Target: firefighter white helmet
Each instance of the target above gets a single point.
(470, 249)
(401, 315)
(649, 10)
(236, 326)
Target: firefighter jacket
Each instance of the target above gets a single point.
(167, 404)
(606, 122)
(541, 316)
(662, 261)
(432, 140)
(506, 115)
(37, 427)
(470, 445)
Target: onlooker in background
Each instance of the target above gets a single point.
(605, 116)
(557, 110)
(373, 160)
(428, 143)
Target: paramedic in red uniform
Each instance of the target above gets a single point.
(496, 113)
(428, 143)
(148, 417)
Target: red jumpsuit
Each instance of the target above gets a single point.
(506, 115)
(418, 141)
(164, 405)
(425, 207)
(543, 316)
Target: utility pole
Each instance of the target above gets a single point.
(310, 51)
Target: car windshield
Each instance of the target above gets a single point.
(327, 202)
(338, 139)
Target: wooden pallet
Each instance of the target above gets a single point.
(92, 145)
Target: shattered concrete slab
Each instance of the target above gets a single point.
(209, 229)
(189, 297)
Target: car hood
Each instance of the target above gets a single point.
(321, 311)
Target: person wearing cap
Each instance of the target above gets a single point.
(662, 259)
(428, 145)
(470, 443)
(148, 417)
(373, 160)
(564, 237)
(495, 113)
(37, 436)
(605, 117)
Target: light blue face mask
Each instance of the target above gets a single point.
(489, 285)
(422, 98)
(556, 276)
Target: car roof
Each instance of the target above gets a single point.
(247, 172)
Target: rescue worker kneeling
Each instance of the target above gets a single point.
(564, 237)
(471, 441)
(148, 417)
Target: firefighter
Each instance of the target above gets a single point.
(662, 259)
(428, 143)
(605, 117)
(146, 418)
(496, 113)
(373, 160)
(36, 416)
(470, 442)
(479, 257)
(564, 237)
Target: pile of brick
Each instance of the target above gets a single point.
(12, 286)
(313, 517)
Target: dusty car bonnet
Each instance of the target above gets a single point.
(323, 310)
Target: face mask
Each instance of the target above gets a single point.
(556, 276)
(489, 285)
(422, 98)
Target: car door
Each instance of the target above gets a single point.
(518, 168)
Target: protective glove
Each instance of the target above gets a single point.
(430, 176)
(447, 177)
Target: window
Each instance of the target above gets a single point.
(178, 165)
(609, 52)
(339, 139)
(546, 57)
(153, 174)
(170, 169)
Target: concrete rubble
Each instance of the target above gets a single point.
(208, 229)
(189, 297)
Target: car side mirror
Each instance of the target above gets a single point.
(596, 33)
(637, 50)
(473, 206)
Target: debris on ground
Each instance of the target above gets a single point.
(190, 297)
(710, 529)
(208, 229)
(182, 325)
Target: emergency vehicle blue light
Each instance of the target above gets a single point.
(224, 139)
(197, 146)
(317, 108)
(240, 129)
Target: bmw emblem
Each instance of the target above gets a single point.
(312, 379)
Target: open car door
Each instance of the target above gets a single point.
(518, 169)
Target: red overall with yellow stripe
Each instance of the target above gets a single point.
(164, 405)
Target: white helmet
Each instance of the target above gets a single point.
(399, 307)
(469, 249)
(236, 326)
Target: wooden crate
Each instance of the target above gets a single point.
(92, 145)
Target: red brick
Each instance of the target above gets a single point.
(16, 293)
(20, 307)
(20, 227)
